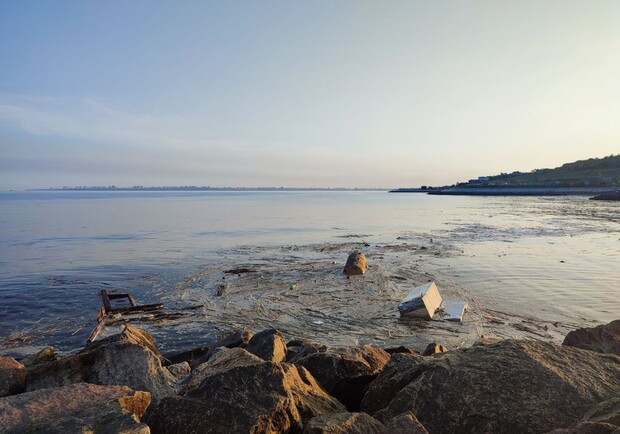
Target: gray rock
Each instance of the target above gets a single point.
(269, 345)
(180, 369)
(260, 397)
(398, 373)
(237, 338)
(116, 362)
(79, 408)
(604, 338)
(344, 423)
(132, 335)
(405, 423)
(222, 361)
(346, 373)
(45, 355)
(514, 386)
(12, 376)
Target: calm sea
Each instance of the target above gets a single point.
(557, 257)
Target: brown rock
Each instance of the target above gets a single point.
(224, 360)
(12, 376)
(179, 369)
(398, 373)
(604, 338)
(356, 264)
(405, 423)
(344, 423)
(269, 345)
(79, 408)
(116, 362)
(514, 386)
(434, 348)
(346, 373)
(401, 349)
(261, 397)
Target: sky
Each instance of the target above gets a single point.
(339, 93)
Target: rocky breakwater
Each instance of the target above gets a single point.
(262, 384)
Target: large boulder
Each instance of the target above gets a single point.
(344, 423)
(269, 345)
(399, 372)
(513, 386)
(79, 408)
(604, 338)
(224, 360)
(260, 397)
(346, 373)
(12, 376)
(117, 362)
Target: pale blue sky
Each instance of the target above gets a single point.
(318, 93)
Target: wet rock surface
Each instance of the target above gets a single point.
(12, 376)
(79, 408)
(261, 397)
(604, 338)
(513, 386)
(344, 423)
(346, 373)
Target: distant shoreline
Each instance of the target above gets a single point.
(512, 191)
(191, 188)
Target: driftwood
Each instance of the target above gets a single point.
(100, 323)
(356, 264)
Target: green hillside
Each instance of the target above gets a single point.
(592, 172)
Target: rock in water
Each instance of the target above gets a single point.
(604, 338)
(79, 408)
(115, 362)
(344, 423)
(513, 386)
(269, 345)
(12, 376)
(261, 397)
(346, 373)
(356, 264)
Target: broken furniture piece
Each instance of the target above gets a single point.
(356, 264)
(421, 302)
(454, 310)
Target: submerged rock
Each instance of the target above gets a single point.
(12, 376)
(79, 408)
(113, 362)
(260, 397)
(344, 423)
(346, 373)
(604, 338)
(269, 345)
(514, 386)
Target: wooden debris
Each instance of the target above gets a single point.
(356, 264)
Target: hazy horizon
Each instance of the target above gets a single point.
(319, 94)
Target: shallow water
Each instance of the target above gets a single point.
(551, 259)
